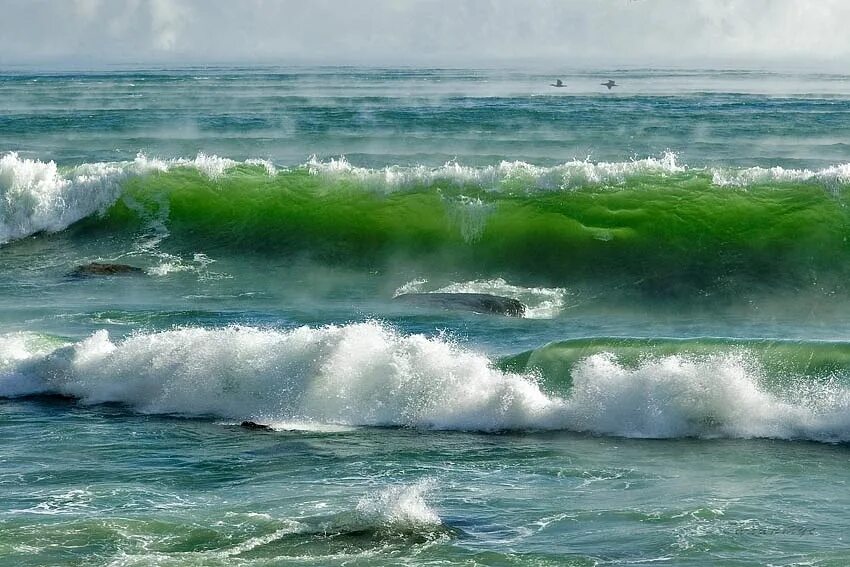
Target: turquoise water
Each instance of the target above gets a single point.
(677, 391)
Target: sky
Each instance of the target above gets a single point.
(426, 32)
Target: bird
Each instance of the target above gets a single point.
(610, 84)
(558, 83)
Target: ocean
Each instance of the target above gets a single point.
(676, 391)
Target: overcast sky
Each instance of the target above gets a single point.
(571, 33)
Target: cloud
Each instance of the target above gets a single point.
(444, 32)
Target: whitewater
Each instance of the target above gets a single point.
(251, 384)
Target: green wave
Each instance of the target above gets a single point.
(779, 361)
(662, 234)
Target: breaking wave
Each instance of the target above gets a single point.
(38, 196)
(368, 374)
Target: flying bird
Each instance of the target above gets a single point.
(558, 83)
(610, 84)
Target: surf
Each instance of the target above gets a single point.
(370, 374)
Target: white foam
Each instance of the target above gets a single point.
(371, 375)
(290, 527)
(211, 166)
(540, 302)
(17, 347)
(309, 426)
(38, 196)
(169, 267)
(171, 264)
(16, 350)
(572, 174)
(837, 174)
(569, 175)
(710, 396)
(358, 374)
(35, 196)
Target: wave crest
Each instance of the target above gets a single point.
(569, 175)
(35, 196)
(834, 175)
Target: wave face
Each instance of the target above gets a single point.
(652, 224)
(367, 374)
(777, 358)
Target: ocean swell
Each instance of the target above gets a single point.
(649, 225)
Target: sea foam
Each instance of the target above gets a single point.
(368, 374)
(744, 177)
(357, 374)
(571, 174)
(723, 395)
(35, 196)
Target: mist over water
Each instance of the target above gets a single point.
(676, 389)
(427, 116)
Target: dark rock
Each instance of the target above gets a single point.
(477, 302)
(104, 269)
(255, 426)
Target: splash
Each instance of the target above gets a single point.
(400, 508)
(37, 196)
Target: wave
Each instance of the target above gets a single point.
(777, 358)
(651, 225)
(387, 521)
(359, 374)
(368, 374)
(37, 196)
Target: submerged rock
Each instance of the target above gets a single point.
(477, 302)
(254, 425)
(104, 269)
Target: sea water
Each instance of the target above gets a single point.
(677, 391)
